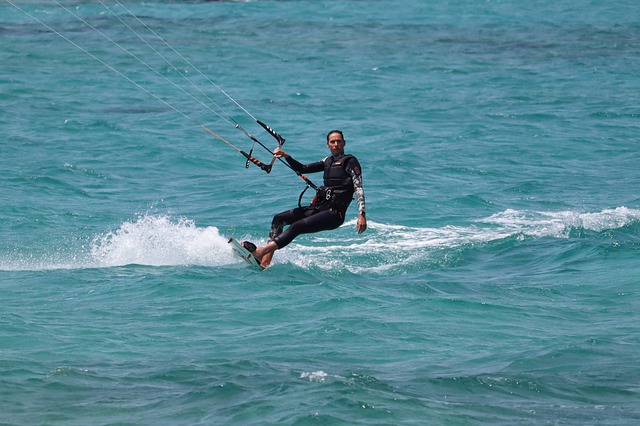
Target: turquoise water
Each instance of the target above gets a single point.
(497, 282)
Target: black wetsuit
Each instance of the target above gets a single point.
(342, 179)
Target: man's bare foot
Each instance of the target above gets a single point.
(266, 260)
(264, 254)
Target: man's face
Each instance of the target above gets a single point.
(336, 144)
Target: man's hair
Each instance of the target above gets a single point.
(335, 131)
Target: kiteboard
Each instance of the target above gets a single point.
(244, 254)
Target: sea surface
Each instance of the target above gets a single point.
(498, 282)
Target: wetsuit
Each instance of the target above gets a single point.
(342, 179)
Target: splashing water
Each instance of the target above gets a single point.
(157, 241)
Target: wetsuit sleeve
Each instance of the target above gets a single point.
(318, 166)
(354, 170)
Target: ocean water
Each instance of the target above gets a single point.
(497, 283)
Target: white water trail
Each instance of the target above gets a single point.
(159, 240)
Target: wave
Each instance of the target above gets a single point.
(152, 240)
(158, 240)
(393, 247)
(561, 224)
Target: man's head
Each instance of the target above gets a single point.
(336, 142)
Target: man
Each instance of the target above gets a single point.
(342, 179)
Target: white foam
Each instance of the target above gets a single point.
(314, 376)
(559, 224)
(147, 240)
(386, 246)
(159, 241)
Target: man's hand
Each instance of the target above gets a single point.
(279, 153)
(361, 224)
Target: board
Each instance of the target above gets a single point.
(244, 254)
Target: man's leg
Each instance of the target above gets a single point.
(302, 221)
(265, 253)
(314, 221)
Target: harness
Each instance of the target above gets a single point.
(338, 184)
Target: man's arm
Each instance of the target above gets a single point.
(318, 166)
(296, 165)
(353, 168)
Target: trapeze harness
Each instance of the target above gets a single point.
(337, 191)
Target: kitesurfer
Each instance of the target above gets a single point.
(342, 179)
